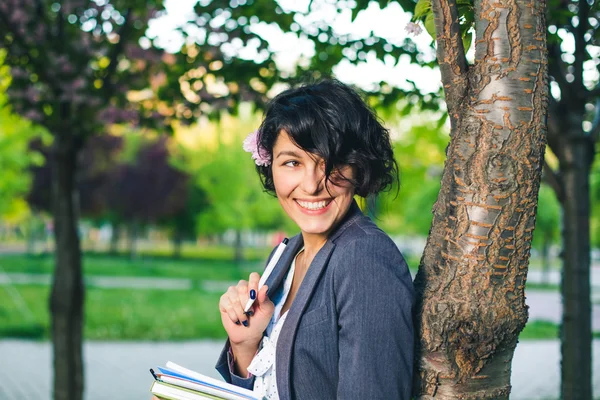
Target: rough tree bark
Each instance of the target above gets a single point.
(471, 304)
(67, 297)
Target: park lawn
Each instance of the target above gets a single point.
(144, 314)
(219, 268)
(117, 314)
(143, 266)
(539, 330)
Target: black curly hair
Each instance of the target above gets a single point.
(329, 119)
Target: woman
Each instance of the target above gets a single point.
(334, 318)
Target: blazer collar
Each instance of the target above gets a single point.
(276, 278)
(314, 273)
(352, 215)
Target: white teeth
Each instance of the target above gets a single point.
(311, 205)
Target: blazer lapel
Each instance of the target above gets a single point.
(288, 331)
(276, 278)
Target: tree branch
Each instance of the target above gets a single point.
(555, 111)
(557, 68)
(580, 43)
(43, 17)
(450, 53)
(117, 50)
(39, 69)
(595, 131)
(553, 180)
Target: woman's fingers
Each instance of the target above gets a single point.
(262, 294)
(234, 301)
(231, 304)
(265, 304)
(253, 288)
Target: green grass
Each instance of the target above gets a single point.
(128, 314)
(537, 330)
(546, 287)
(120, 314)
(94, 264)
(147, 314)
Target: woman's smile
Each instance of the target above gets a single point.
(314, 207)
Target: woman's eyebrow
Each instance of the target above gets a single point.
(290, 153)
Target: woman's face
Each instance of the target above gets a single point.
(299, 179)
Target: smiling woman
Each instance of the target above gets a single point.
(334, 319)
(299, 180)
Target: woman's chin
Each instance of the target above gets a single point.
(315, 229)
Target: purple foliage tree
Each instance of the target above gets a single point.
(80, 65)
(73, 64)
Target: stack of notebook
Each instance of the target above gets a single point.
(177, 383)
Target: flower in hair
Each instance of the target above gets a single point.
(260, 155)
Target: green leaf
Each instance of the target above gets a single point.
(422, 8)
(430, 25)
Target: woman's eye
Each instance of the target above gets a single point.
(291, 163)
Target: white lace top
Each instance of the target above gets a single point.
(263, 363)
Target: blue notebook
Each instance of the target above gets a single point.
(176, 375)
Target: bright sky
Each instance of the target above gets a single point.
(388, 23)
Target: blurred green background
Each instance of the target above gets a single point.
(169, 222)
(171, 209)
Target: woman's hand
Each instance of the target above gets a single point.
(245, 331)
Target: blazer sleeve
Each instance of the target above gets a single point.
(225, 364)
(374, 302)
(225, 368)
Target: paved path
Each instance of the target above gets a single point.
(119, 370)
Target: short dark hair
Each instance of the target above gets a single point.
(329, 119)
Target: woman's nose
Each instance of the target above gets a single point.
(313, 181)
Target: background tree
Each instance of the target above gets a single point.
(183, 224)
(573, 131)
(147, 189)
(72, 64)
(79, 65)
(236, 197)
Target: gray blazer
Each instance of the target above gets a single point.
(349, 332)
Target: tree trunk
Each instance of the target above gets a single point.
(471, 280)
(67, 297)
(31, 233)
(546, 260)
(238, 250)
(133, 233)
(576, 332)
(177, 244)
(114, 238)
